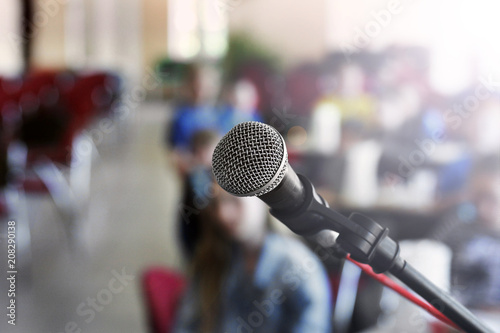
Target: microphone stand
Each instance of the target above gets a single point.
(367, 242)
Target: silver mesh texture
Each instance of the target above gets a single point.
(251, 159)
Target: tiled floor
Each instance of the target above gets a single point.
(128, 227)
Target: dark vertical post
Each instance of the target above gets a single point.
(27, 32)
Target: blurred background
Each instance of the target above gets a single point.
(390, 107)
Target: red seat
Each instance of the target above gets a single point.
(34, 185)
(92, 95)
(439, 327)
(163, 289)
(35, 81)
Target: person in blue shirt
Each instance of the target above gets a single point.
(245, 278)
(199, 111)
(195, 109)
(190, 119)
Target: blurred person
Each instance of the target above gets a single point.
(481, 122)
(196, 111)
(246, 279)
(239, 104)
(472, 230)
(400, 124)
(202, 111)
(472, 129)
(197, 185)
(396, 107)
(403, 65)
(348, 101)
(420, 162)
(351, 97)
(303, 88)
(331, 172)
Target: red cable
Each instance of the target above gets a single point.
(386, 281)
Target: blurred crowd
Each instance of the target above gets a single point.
(373, 134)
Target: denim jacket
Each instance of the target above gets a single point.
(288, 292)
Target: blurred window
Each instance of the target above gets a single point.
(197, 28)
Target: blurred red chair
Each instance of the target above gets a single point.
(163, 290)
(41, 90)
(10, 88)
(10, 92)
(67, 99)
(41, 145)
(91, 96)
(439, 327)
(35, 81)
(56, 108)
(43, 115)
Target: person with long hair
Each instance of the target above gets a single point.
(245, 278)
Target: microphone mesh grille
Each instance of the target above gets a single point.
(251, 159)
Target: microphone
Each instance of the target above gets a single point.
(252, 160)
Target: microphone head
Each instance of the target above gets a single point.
(250, 160)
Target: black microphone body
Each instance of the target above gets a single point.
(288, 195)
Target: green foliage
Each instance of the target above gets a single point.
(242, 50)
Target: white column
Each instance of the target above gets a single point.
(10, 38)
(103, 41)
(75, 34)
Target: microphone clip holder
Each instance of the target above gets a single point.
(365, 240)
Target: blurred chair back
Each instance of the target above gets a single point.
(163, 290)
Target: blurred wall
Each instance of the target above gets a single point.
(154, 32)
(48, 42)
(124, 35)
(114, 38)
(378, 23)
(300, 30)
(294, 29)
